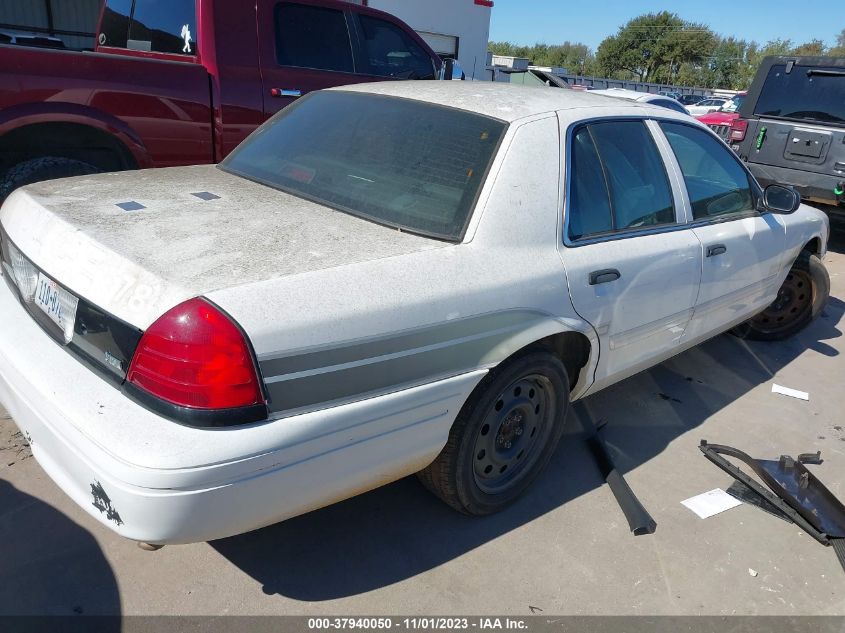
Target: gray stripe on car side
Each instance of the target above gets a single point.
(327, 375)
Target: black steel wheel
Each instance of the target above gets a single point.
(800, 299)
(513, 433)
(503, 436)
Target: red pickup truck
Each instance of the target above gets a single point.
(183, 82)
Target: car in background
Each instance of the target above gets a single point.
(183, 82)
(708, 105)
(791, 127)
(643, 97)
(722, 119)
(30, 39)
(671, 94)
(689, 100)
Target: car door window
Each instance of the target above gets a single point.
(624, 157)
(155, 26)
(589, 207)
(390, 52)
(312, 37)
(717, 184)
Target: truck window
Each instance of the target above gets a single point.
(312, 37)
(114, 28)
(160, 26)
(809, 94)
(390, 52)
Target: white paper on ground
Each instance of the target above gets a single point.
(707, 504)
(794, 393)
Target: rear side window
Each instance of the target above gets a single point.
(114, 27)
(618, 180)
(159, 26)
(717, 185)
(814, 94)
(312, 37)
(390, 52)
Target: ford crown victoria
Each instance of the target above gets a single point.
(382, 280)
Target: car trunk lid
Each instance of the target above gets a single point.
(134, 244)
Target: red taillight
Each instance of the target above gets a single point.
(738, 129)
(194, 356)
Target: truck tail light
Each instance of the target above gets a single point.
(738, 129)
(195, 356)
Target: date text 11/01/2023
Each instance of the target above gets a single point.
(417, 623)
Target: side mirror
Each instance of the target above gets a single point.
(781, 199)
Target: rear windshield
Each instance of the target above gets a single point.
(810, 94)
(403, 163)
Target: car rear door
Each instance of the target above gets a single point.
(632, 265)
(310, 45)
(304, 46)
(798, 124)
(742, 249)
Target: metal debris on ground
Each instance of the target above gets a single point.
(792, 489)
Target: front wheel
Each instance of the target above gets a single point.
(801, 298)
(503, 436)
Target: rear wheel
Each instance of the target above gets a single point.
(44, 168)
(503, 436)
(801, 297)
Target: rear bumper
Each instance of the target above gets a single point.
(811, 186)
(151, 480)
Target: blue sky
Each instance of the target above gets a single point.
(590, 21)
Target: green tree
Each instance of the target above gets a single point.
(576, 57)
(653, 47)
(812, 48)
(839, 49)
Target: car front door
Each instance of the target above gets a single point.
(743, 250)
(632, 265)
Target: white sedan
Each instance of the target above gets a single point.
(706, 107)
(382, 280)
(644, 97)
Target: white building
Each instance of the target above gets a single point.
(459, 29)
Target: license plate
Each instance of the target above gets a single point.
(57, 303)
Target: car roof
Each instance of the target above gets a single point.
(507, 102)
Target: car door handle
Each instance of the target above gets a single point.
(716, 249)
(604, 276)
(285, 92)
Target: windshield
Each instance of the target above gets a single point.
(403, 163)
(815, 94)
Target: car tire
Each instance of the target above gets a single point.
(801, 298)
(44, 168)
(513, 422)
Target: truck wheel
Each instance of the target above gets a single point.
(800, 300)
(503, 436)
(45, 168)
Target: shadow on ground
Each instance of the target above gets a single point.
(399, 531)
(49, 565)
